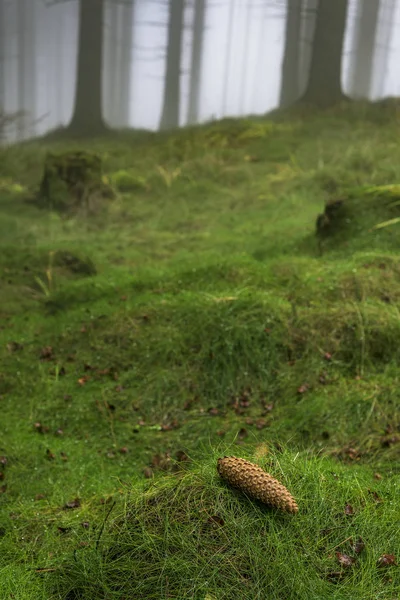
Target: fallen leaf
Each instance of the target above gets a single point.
(14, 347)
(41, 428)
(387, 560)
(213, 412)
(72, 504)
(334, 576)
(345, 560)
(242, 433)
(357, 545)
(63, 529)
(181, 456)
(303, 388)
(216, 520)
(46, 353)
(375, 496)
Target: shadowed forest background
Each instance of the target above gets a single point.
(199, 300)
(159, 65)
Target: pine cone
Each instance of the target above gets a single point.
(255, 482)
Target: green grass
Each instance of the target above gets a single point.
(198, 316)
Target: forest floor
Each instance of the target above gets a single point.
(198, 316)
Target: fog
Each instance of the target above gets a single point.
(242, 57)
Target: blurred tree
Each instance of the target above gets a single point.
(2, 55)
(171, 99)
(324, 87)
(290, 81)
(308, 15)
(362, 65)
(197, 55)
(87, 118)
(26, 74)
(382, 45)
(118, 39)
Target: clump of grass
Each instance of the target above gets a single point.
(190, 535)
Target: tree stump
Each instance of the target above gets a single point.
(72, 183)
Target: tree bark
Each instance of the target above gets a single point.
(111, 64)
(228, 52)
(171, 99)
(197, 56)
(309, 12)
(26, 83)
(87, 118)
(2, 57)
(126, 64)
(324, 86)
(385, 32)
(364, 49)
(290, 82)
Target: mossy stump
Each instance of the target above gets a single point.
(72, 183)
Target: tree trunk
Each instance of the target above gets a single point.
(228, 53)
(171, 100)
(324, 86)
(111, 64)
(126, 65)
(309, 12)
(26, 83)
(385, 33)
(87, 118)
(364, 49)
(197, 55)
(290, 86)
(2, 58)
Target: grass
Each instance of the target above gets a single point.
(199, 316)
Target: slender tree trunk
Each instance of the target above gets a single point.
(2, 57)
(87, 118)
(290, 86)
(171, 101)
(197, 56)
(325, 81)
(26, 67)
(309, 12)
(126, 64)
(228, 57)
(364, 48)
(243, 87)
(385, 33)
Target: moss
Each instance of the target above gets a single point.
(73, 181)
(124, 181)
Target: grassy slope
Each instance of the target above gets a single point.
(213, 326)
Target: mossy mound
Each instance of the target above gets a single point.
(364, 213)
(191, 534)
(124, 181)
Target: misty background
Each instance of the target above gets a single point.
(240, 46)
